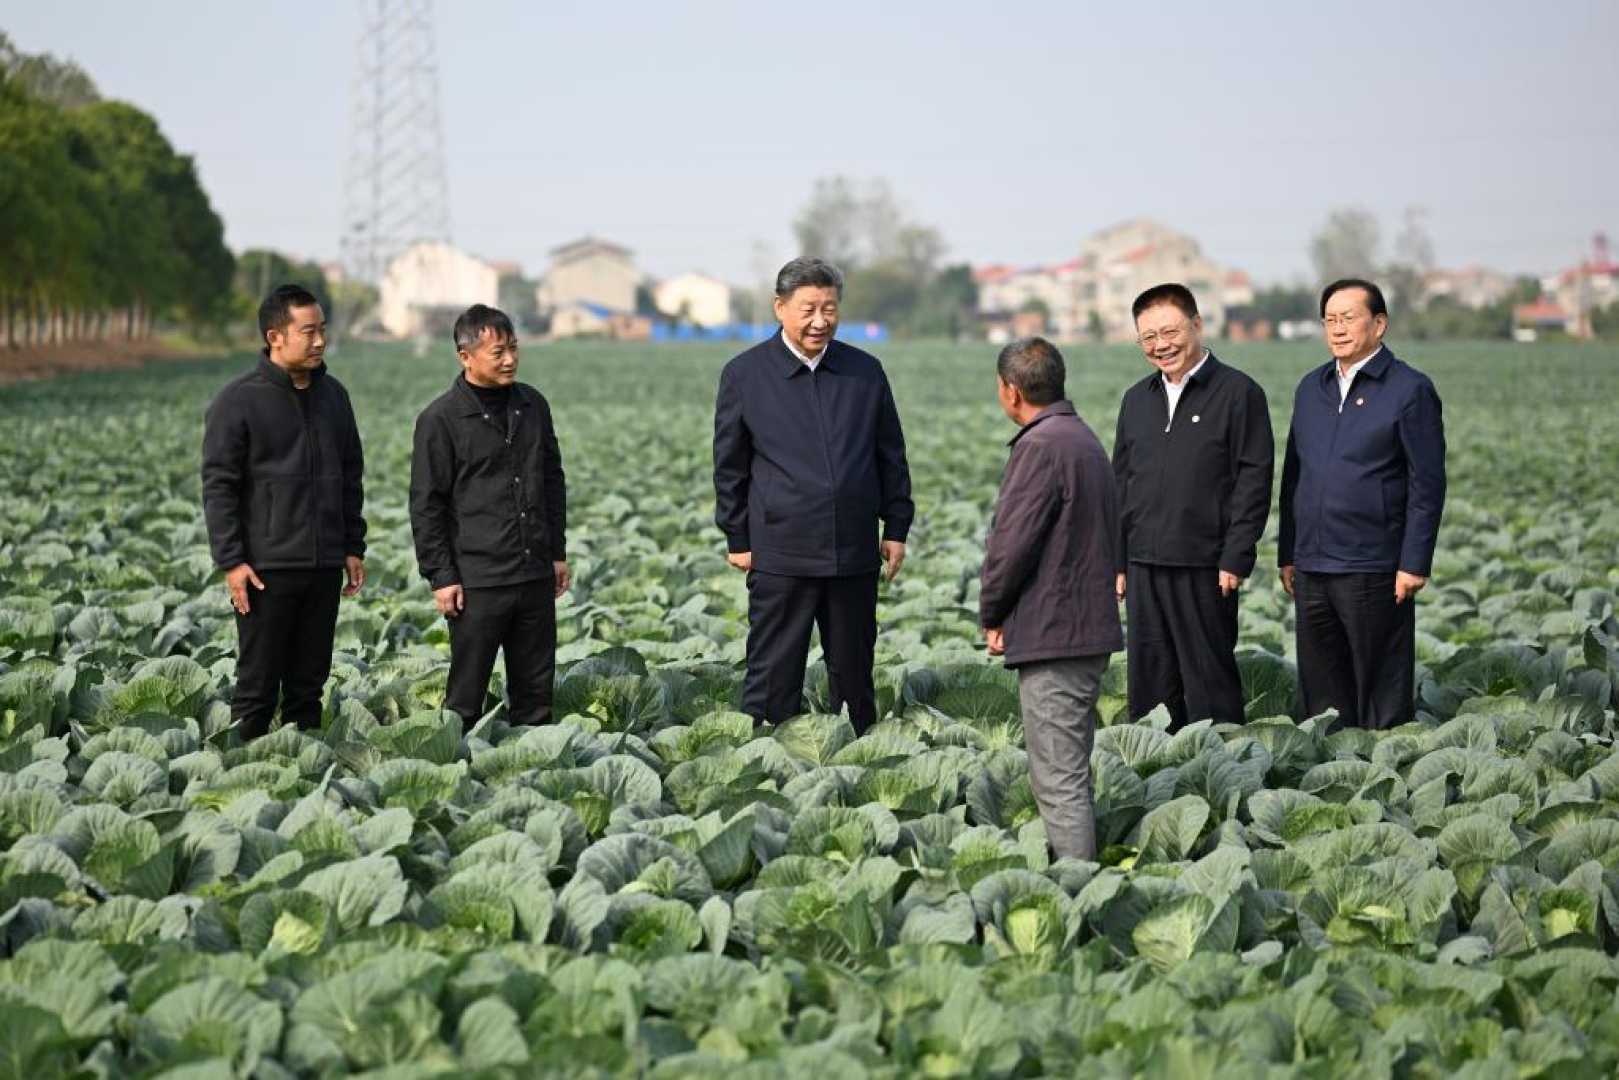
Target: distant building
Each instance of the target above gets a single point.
(1581, 289)
(430, 277)
(1541, 316)
(1472, 287)
(589, 271)
(1006, 292)
(1129, 258)
(694, 298)
(1093, 293)
(580, 319)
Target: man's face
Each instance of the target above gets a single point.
(301, 344)
(809, 316)
(492, 362)
(1169, 340)
(1009, 397)
(1353, 332)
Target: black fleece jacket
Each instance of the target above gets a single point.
(282, 472)
(488, 497)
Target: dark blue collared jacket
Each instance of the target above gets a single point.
(806, 462)
(1363, 487)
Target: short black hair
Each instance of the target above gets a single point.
(807, 270)
(275, 313)
(1035, 367)
(1374, 295)
(470, 327)
(1170, 292)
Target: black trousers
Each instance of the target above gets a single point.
(1181, 642)
(781, 610)
(522, 621)
(1357, 648)
(284, 649)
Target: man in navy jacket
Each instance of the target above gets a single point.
(808, 456)
(1363, 487)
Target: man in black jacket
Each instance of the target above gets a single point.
(1045, 600)
(1193, 458)
(282, 493)
(808, 455)
(488, 510)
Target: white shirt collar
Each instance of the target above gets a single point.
(808, 361)
(1176, 388)
(1172, 391)
(1345, 379)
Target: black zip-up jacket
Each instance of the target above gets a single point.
(488, 498)
(805, 462)
(282, 472)
(1195, 492)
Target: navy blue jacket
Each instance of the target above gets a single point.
(806, 462)
(1363, 488)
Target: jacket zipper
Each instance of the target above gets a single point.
(826, 455)
(509, 436)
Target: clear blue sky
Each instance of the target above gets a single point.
(692, 132)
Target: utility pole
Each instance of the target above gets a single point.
(395, 188)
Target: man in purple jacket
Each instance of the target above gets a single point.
(1363, 488)
(1046, 600)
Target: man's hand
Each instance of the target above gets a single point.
(742, 560)
(236, 582)
(1229, 583)
(564, 577)
(893, 558)
(1118, 586)
(996, 641)
(450, 600)
(1407, 585)
(1287, 578)
(354, 569)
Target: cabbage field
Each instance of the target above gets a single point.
(648, 889)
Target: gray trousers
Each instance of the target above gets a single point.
(1058, 698)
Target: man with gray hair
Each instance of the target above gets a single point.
(488, 510)
(1046, 597)
(808, 457)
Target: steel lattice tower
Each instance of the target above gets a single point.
(395, 189)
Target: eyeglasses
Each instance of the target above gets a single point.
(1169, 337)
(1332, 322)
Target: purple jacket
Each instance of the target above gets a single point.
(1047, 580)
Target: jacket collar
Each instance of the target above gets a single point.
(791, 365)
(269, 370)
(468, 399)
(1204, 374)
(1056, 408)
(1375, 368)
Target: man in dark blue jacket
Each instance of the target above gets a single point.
(808, 456)
(1363, 487)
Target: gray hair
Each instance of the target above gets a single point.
(1035, 367)
(808, 271)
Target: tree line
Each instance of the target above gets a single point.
(105, 229)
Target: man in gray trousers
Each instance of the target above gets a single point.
(1046, 601)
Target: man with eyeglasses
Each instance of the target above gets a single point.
(1193, 458)
(1363, 488)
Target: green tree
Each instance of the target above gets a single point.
(1346, 245)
